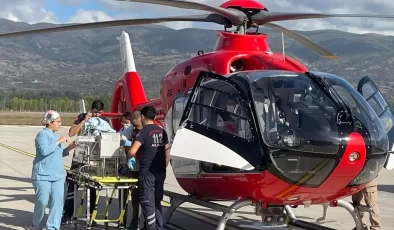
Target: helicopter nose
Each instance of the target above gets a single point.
(370, 162)
(355, 153)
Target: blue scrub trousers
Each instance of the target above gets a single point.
(44, 191)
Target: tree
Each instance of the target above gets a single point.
(67, 101)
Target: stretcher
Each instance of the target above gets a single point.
(87, 182)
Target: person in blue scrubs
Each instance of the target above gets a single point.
(48, 172)
(126, 131)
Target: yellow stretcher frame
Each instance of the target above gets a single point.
(99, 183)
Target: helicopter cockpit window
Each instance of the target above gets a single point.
(366, 117)
(295, 113)
(362, 111)
(218, 106)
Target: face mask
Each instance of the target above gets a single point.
(126, 126)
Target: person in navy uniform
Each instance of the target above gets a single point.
(154, 157)
(96, 110)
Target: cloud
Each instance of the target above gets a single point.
(128, 10)
(86, 16)
(357, 25)
(26, 11)
(177, 25)
(70, 2)
(34, 12)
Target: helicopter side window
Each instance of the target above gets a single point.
(200, 114)
(228, 121)
(218, 106)
(218, 111)
(179, 107)
(375, 99)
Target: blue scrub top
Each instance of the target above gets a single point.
(48, 162)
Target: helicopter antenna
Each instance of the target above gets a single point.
(283, 48)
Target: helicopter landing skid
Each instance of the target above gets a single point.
(354, 211)
(269, 220)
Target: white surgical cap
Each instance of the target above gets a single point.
(49, 117)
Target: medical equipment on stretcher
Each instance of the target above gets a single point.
(100, 155)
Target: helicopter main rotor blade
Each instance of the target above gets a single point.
(235, 16)
(128, 22)
(311, 45)
(264, 17)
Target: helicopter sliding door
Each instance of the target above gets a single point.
(372, 95)
(216, 126)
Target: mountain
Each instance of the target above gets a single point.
(89, 60)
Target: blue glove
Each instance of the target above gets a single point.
(131, 163)
(126, 143)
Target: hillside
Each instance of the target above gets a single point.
(84, 60)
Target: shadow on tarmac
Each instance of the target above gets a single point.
(386, 188)
(18, 218)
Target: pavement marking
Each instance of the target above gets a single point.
(198, 216)
(23, 152)
(17, 150)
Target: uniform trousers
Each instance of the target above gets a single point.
(370, 196)
(135, 202)
(151, 192)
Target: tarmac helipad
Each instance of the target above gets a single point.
(17, 195)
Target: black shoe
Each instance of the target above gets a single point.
(364, 227)
(133, 227)
(123, 226)
(66, 220)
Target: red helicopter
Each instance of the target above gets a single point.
(256, 127)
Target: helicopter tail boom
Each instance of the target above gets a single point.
(126, 51)
(128, 91)
(133, 89)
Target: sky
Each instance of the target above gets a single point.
(81, 11)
